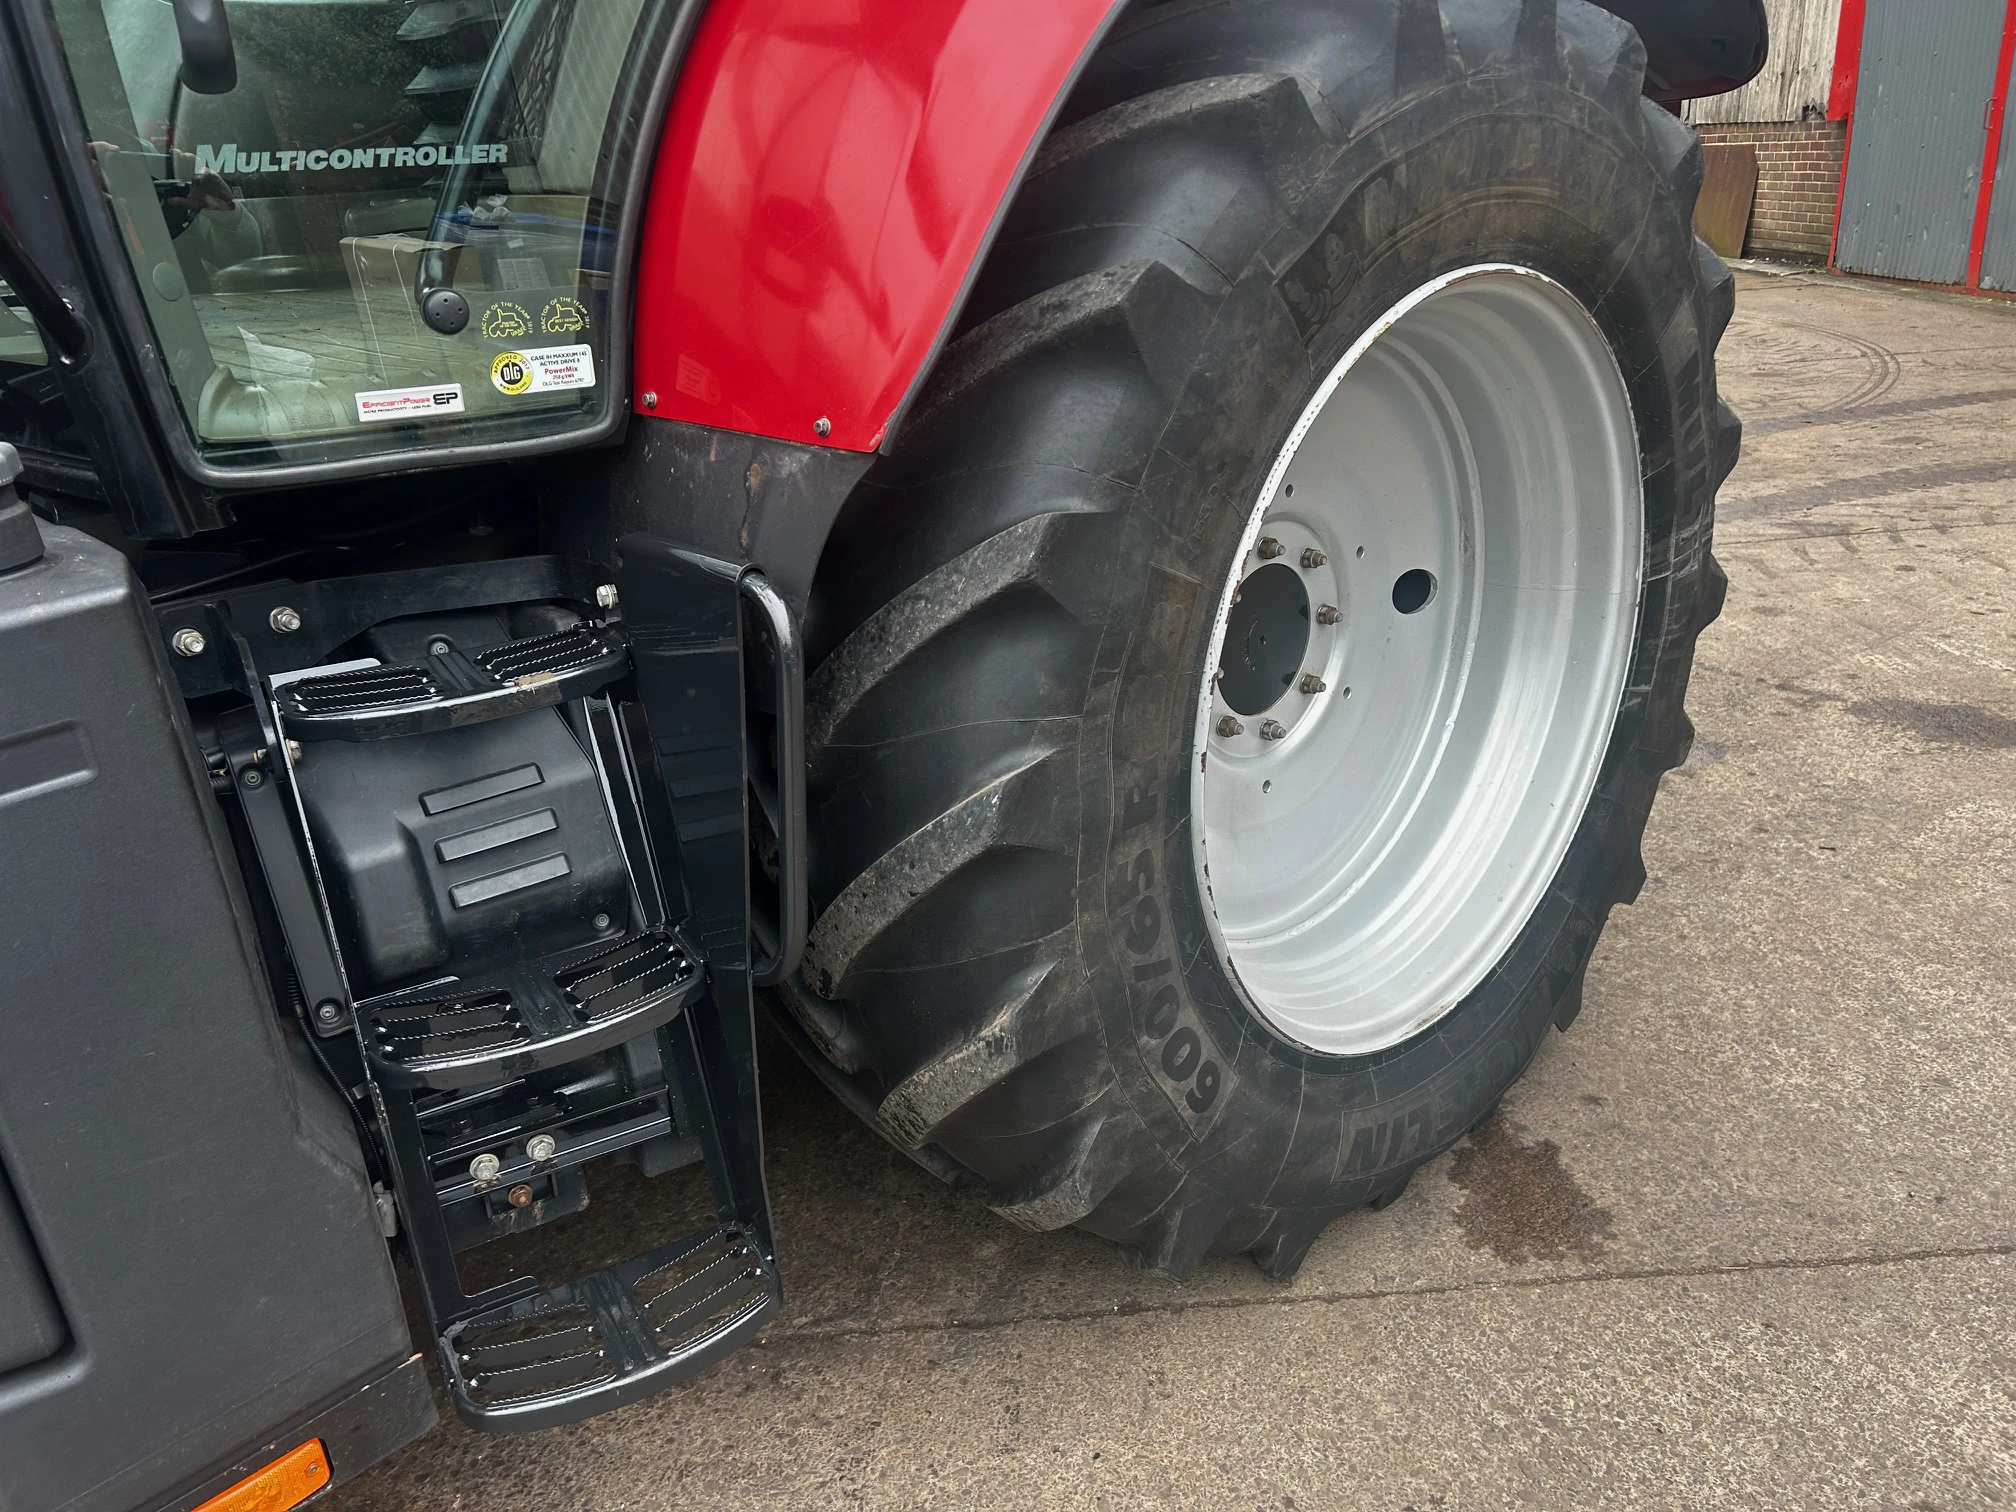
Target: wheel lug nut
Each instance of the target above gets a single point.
(1273, 729)
(1311, 683)
(1268, 549)
(1311, 557)
(1228, 727)
(1328, 615)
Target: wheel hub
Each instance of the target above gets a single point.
(1265, 638)
(1418, 660)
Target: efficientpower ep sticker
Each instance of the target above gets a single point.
(543, 368)
(410, 403)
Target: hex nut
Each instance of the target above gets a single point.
(1311, 683)
(519, 1196)
(1328, 614)
(1273, 729)
(1311, 557)
(1268, 549)
(188, 641)
(605, 596)
(542, 1147)
(285, 620)
(485, 1169)
(1228, 727)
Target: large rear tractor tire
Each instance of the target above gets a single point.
(1241, 691)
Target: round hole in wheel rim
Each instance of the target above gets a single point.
(1480, 436)
(1413, 590)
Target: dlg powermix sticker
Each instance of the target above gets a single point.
(543, 369)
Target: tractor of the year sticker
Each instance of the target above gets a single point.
(542, 369)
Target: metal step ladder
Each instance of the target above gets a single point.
(658, 696)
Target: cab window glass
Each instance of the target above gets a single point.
(398, 227)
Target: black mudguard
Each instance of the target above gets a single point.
(1695, 48)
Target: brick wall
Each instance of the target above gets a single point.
(1798, 183)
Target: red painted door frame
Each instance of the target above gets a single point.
(1841, 107)
(1847, 61)
(1994, 119)
(1841, 100)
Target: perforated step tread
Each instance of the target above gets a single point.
(506, 1023)
(611, 1337)
(448, 689)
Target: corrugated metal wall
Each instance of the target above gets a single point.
(1793, 86)
(1914, 170)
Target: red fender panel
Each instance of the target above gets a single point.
(828, 173)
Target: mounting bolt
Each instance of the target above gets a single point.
(822, 426)
(542, 1147)
(293, 750)
(601, 921)
(519, 1196)
(605, 596)
(1228, 727)
(485, 1169)
(1268, 549)
(1311, 683)
(438, 648)
(188, 642)
(1311, 557)
(650, 398)
(328, 1011)
(1328, 614)
(253, 777)
(1273, 729)
(285, 620)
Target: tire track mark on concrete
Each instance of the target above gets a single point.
(1895, 409)
(1877, 485)
(1136, 1309)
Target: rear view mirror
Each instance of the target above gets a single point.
(209, 66)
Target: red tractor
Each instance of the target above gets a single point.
(1126, 573)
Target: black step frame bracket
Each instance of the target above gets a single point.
(686, 756)
(328, 612)
(682, 612)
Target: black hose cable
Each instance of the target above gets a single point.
(59, 324)
(169, 595)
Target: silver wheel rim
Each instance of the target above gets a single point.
(1463, 491)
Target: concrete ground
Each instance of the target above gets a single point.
(1743, 1238)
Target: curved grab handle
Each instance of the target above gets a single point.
(784, 805)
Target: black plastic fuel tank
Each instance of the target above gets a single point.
(190, 1253)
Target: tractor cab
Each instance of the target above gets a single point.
(360, 227)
